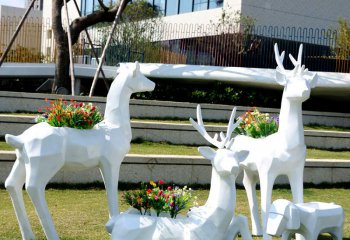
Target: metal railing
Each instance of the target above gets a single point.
(185, 44)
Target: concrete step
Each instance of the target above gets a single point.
(183, 169)
(183, 133)
(31, 102)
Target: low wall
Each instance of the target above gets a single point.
(183, 133)
(183, 170)
(31, 102)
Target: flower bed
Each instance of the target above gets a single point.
(257, 125)
(158, 198)
(69, 114)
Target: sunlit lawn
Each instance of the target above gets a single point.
(81, 214)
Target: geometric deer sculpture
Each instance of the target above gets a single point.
(216, 221)
(42, 150)
(282, 153)
(308, 219)
(217, 191)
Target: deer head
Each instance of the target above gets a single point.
(225, 141)
(136, 81)
(299, 81)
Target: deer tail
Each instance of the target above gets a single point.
(13, 141)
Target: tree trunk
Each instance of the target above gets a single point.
(62, 59)
(61, 82)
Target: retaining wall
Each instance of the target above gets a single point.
(31, 102)
(183, 133)
(182, 169)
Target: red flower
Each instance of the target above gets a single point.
(169, 188)
(93, 108)
(58, 118)
(160, 182)
(149, 190)
(171, 204)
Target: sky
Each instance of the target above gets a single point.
(13, 3)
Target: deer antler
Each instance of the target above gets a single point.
(225, 142)
(279, 58)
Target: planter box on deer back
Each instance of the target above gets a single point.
(43, 150)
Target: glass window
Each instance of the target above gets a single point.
(89, 6)
(200, 5)
(185, 6)
(160, 5)
(172, 7)
(215, 3)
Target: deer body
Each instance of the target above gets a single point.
(43, 150)
(214, 221)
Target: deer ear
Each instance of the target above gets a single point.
(207, 152)
(136, 69)
(314, 80)
(280, 77)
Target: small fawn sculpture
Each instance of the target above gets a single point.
(43, 150)
(282, 153)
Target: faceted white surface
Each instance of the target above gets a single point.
(43, 150)
(308, 219)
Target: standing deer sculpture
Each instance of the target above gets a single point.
(282, 153)
(42, 150)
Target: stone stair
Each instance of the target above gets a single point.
(181, 169)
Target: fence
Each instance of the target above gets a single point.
(186, 44)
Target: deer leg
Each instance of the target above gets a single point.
(296, 182)
(14, 184)
(249, 182)
(110, 175)
(40, 171)
(266, 186)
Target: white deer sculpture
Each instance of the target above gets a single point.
(212, 221)
(282, 153)
(43, 150)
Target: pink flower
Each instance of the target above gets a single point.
(169, 188)
(160, 182)
(156, 198)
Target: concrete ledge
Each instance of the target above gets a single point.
(31, 102)
(183, 169)
(183, 133)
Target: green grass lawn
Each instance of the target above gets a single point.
(162, 148)
(82, 214)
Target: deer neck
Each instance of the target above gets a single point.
(291, 127)
(224, 193)
(117, 111)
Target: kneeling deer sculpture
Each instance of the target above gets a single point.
(215, 220)
(43, 150)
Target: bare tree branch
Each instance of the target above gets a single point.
(103, 6)
(79, 24)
